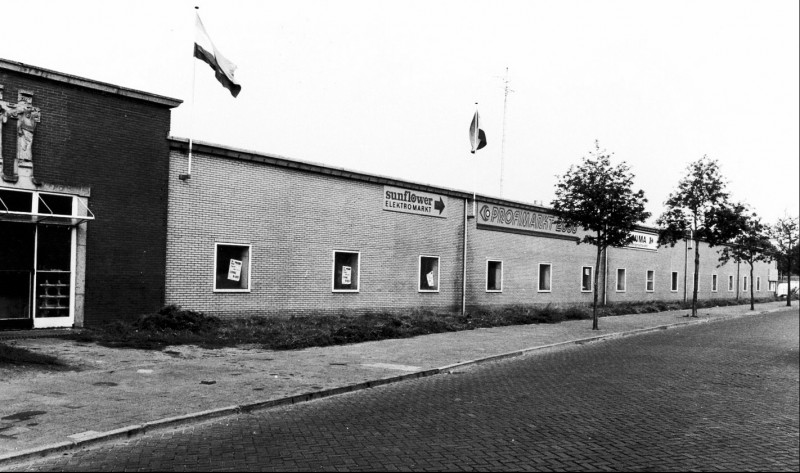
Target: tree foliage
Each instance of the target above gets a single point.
(600, 198)
(699, 209)
(784, 233)
(750, 246)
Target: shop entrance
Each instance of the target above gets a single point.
(16, 274)
(36, 275)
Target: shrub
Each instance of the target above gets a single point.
(173, 318)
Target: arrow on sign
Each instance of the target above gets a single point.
(439, 205)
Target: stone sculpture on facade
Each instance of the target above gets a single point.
(27, 117)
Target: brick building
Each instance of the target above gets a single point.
(100, 220)
(83, 199)
(252, 233)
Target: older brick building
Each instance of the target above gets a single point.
(83, 216)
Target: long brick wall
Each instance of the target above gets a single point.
(294, 220)
(294, 216)
(522, 254)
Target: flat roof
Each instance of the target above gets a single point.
(88, 83)
(182, 144)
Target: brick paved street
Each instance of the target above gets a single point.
(717, 396)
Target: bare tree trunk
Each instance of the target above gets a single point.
(752, 281)
(738, 277)
(596, 274)
(789, 273)
(696, 276)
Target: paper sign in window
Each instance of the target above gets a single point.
(430, 278)
(346, 271)
(235, 270)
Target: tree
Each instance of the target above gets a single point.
(699, 209)
(784, 233)
(750, 246)
(599, 197)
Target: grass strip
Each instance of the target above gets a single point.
(175, 326)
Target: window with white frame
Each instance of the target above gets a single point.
(621, 283)
(346, 271)
(744, 285)
(586, 279)
(730, 283)
(56, 204)
(649, 285)
(494, 276)
(231, 267)
(673, 283)
(758, 283)
(545, 277)
(713, 283)
(428, 274)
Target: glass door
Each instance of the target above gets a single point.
(16, 274)
(54, 279)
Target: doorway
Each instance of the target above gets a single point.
(17, 247)
(36, 275)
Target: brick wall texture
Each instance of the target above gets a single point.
(295, 219)
(116, 146)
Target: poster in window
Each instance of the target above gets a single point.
(346, 270)
(430, 278)
(235, 270)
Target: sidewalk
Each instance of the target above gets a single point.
(116, 393)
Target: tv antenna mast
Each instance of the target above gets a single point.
(503, 142)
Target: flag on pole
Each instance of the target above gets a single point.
(205, 51)
(476, 136)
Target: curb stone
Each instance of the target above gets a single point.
(96, 438)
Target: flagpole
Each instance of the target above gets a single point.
(475, 168)
(188, 174)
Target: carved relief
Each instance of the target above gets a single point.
(27, 117)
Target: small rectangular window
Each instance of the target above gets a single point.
(730, 283)
(649, 281)
(621, 280)
(231, 267)
(14, 201)
(758, 283)
(674, 282)
(586, 279)
(428, 274)
(545, 277)
(713, 283)
(744, 286)
(55, 204)
(346, 271)
(494, 276)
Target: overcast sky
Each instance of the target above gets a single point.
(389, 87)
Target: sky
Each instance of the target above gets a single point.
(390, 87)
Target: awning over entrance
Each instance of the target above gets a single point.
(24, 206)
